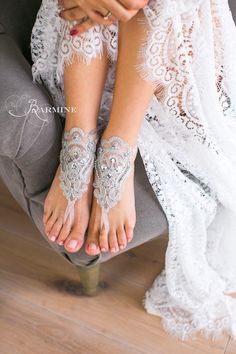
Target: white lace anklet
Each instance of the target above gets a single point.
(76, 165)
(112, 167)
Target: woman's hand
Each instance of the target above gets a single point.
(94, 11)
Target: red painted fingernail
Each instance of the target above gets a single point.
(73, 32)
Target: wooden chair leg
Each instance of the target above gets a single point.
(89, 278)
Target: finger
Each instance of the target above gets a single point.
(119, 11)
(98, 17)
(73, 14)
(78, 13)
(134, 4)
(82, 28)
(68, 4)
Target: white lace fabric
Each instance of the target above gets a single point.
(187, 143)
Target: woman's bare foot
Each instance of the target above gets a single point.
(122, 219)
(54, 209)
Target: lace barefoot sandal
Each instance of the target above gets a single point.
(76, 165)
(114, 163)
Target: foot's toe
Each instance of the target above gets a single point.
(46, 215)
(49, 225)
(47, 209)
(75, 240)
(103, 241)
(129, 230)
(92, 243)
(64, 233)
(113, 244)
(55, 231)
(122, 240)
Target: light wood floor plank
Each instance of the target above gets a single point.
(151, 254)
(6, 198)
(27, 328)
(42, 305)
(37, 275)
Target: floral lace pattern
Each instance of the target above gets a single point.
(113, 164)
(187, 143)
(76, 165)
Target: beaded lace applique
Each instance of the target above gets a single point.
(112, 167)
(76, 165)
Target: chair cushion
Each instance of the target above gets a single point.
(20, 127)
(232, 4)
(2, 30)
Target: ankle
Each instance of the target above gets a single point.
(73, 120)
(123, 134)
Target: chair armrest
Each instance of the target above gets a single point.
(18, 134)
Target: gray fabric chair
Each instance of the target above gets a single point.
(29, 148)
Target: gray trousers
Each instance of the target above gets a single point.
(29, 155)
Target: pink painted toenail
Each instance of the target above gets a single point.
(122, 247)
(113, 249)
(53, 238)
(103, 249)
(60, 243)
(92, 246)
(72, 243)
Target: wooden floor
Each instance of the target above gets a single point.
(42, 309)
